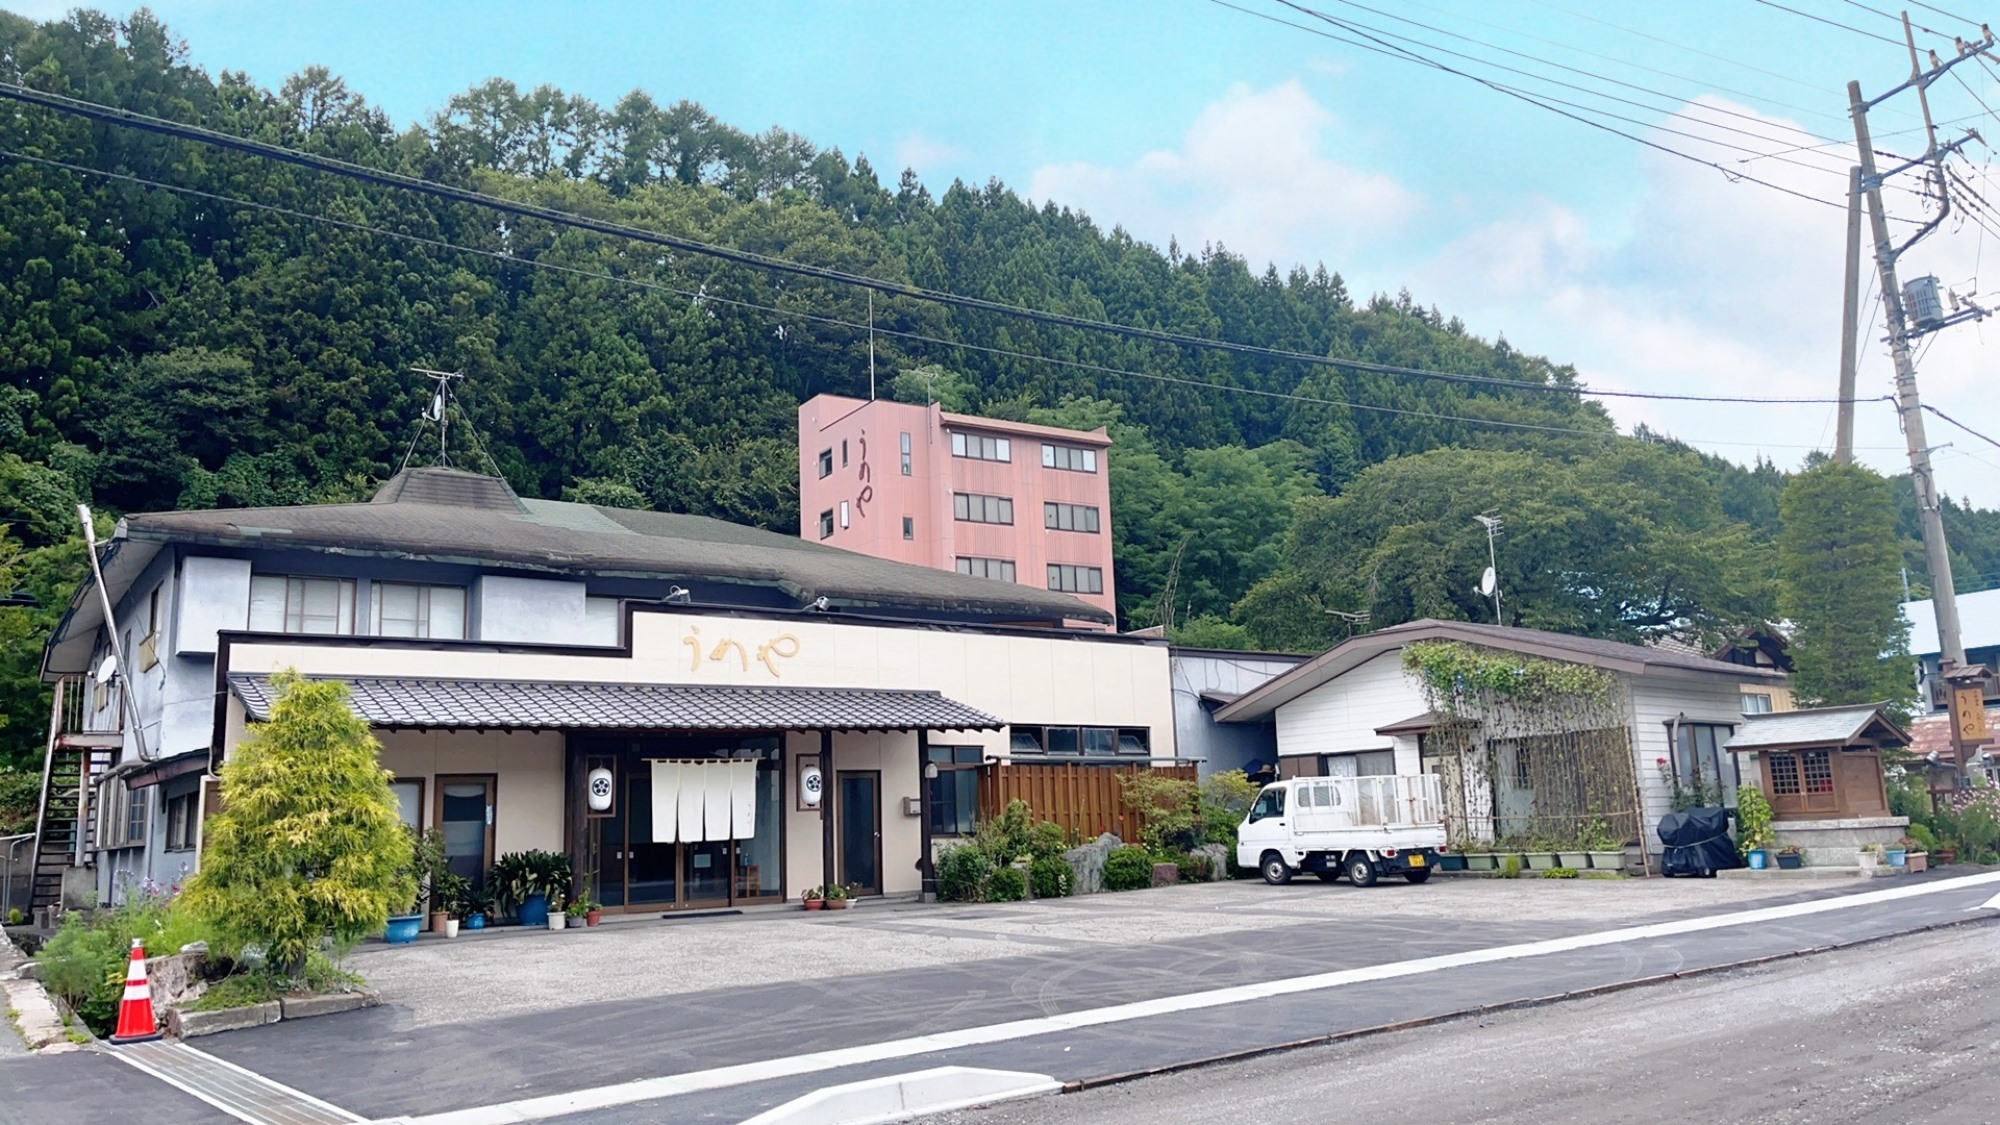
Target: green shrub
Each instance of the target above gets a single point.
(308, 845)
(1168, 805)
(1925, 839)
(85, 962)
(1560, 873)
(1225, 800)
(1047, 840)
(1130, 868)
(1510, 867)
(1753, 820)
(1195, 868)
(1006, 884)
(1051, 877)
(962, 870)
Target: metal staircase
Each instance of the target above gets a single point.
(85, 732)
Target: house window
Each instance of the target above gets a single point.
(1784, 773)
(1069, 458)
(906, 453)
(1069, 517)
(1003, 569)
(1084, 742)
(825, 463)
(843, 453)
(826, 523)
(843, 515)
(1524, 772)
(1368, 763)
(1818, 770)
(1756, 703)
(181, 820)
(406, 610)
(1704, 772)
(121, 816)
(601, 621)
(979, 447)
(955, 789)
(149, 646)
(974, 508)
(1076, 579)
(409, 802)
(301, 605)
(909, 527)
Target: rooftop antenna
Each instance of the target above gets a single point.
(871, 345)
(439, 410)
(1489, 582)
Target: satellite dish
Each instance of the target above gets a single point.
(436, 410)
(107, 668)
(1488, 582)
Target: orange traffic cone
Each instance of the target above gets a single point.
(135, 1013)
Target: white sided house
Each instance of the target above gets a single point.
(697, 714)
(1355, 711)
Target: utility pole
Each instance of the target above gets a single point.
(1937, 553)
(1850, 322)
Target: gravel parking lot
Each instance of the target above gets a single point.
(508, 971)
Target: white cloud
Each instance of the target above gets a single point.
(1252, 173)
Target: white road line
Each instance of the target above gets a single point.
(133, 1057)
(648, 1089)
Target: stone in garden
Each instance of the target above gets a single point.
(1087, 861)
(1218, 860)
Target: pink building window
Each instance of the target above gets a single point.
(1003, 569)
(906, 457)
(826, 524)
(1069, 458)
(980, 447)
(1069, 517)
(974, 508)
(1076, 579)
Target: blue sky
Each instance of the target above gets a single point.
(1184, 118)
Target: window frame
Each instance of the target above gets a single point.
(1728, 773)
(1126, 743)
(972, 446)
(346, 600)
(909, 527)
(826, 524)
(826, 462)
(1068, 458)
(979, 566)
(1000, 508)
(904, 441)
(182, 812)
(426, 620)
(1056, 512)
(1763, 696)
(1088, 579)
(954, 763)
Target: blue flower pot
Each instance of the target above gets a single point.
(1759, 859)
(475, 921)
(1899, 857)
(535, 910)
(403, 929)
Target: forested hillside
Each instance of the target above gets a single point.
(248, 340)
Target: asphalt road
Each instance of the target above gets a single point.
(1902, 1031)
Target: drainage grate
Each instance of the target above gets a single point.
(240, 1093)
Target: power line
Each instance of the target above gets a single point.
(1940, 11)
(1831, 23)
(782, 265)
(1403, 54)
(1813, 86)
(703, 296)
(1634, 65)
(1968, 429)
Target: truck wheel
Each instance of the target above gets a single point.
(1275, 871)
(1360, 870)
(1417, 876)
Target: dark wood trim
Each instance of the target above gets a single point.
(828, 783)
(927, 874)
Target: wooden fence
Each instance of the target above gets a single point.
(1087, 800)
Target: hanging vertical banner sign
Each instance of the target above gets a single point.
(666, 802)
(693, 802)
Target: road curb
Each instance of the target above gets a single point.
(1081, 1084)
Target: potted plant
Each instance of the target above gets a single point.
(478, 904)
(1789, 858)
(1540, 856)
(1870, 857)
(1574, 857)
(1452, 858)
(1754, 836)
(1481, 861)
(836, 897)
(578, 913)
(557, 919)
(403, 928)
(812, 899)
(531, 883)
(1898, 854)
(1916, 853)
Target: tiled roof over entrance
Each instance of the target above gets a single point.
(544, 705)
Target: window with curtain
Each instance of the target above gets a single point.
(407, 610)
(1704, 770)
(282, 604)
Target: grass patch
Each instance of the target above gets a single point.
(1560, 873)
(258, 986)
(1604, 874)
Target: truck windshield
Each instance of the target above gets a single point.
(1271, 802)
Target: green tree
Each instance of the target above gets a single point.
(1840, 586)
(308, 845)
(934, 383)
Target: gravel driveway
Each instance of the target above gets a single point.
(509, 970)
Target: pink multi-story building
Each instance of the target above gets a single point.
(1002, 500)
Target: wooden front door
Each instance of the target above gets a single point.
(464, 814)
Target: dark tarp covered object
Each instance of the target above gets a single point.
(1697, 842)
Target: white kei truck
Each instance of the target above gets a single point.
(1365, 828)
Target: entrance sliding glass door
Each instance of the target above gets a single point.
(697, 822)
